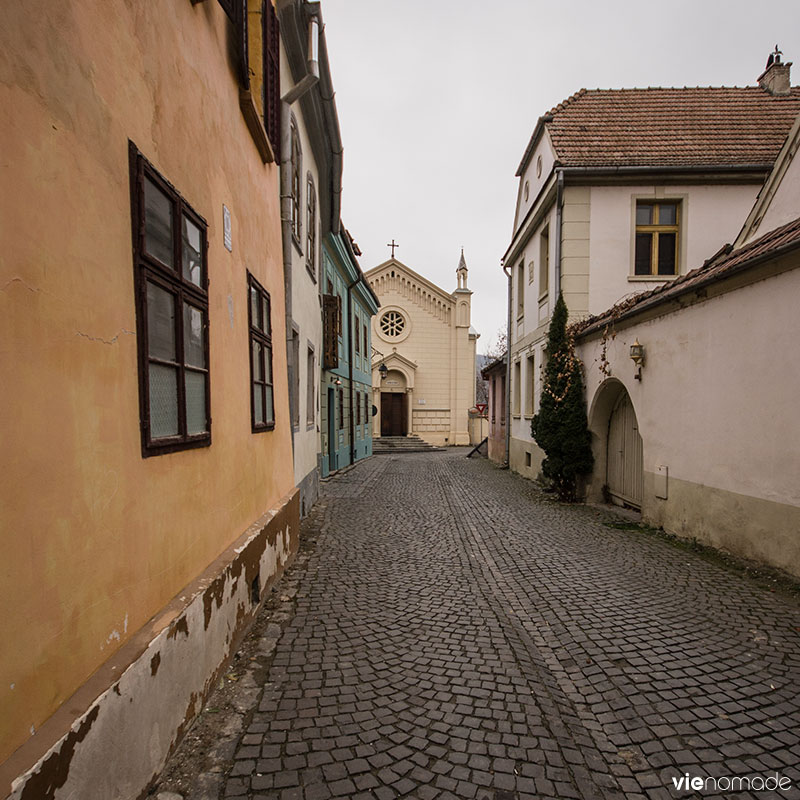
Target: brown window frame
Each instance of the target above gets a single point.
(148, 268)
(271, 68)
(331, 315)
(260, 333)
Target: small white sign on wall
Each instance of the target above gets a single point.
(661, 479)
(422, 401)
(227, 234)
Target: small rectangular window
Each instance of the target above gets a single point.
(516, 389)
(356, 335)
(530, 383)
(262, 408)
(172, 315)
(657, 237)
(358, 408)
(544, 262)
(520, 289)
(367, 408)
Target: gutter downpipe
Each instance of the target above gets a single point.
(559, 204)
(507, 398)
(310, 79)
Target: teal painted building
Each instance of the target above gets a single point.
(348, 304)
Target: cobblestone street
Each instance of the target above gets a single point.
(456, 634)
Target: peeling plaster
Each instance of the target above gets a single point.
(162, 689)
(54, 771)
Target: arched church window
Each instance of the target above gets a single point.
(392, 323)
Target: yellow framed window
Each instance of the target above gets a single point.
(657, 236)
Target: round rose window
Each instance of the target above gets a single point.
(392, 323)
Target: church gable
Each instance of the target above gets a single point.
(394, 277)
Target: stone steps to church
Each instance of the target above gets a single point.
(402, 444)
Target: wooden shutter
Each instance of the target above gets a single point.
(272, 98)
(330, 324)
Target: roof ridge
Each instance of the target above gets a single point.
(564, 103)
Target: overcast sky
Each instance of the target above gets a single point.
(437, 100)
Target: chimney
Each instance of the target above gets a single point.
(775, 78)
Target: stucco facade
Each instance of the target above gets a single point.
(714, 409)
(576, 228)
(708, 444)
(346, 384)
(423, 337)
(495, 375)
(127, 580)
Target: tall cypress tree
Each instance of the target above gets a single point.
(560, 428)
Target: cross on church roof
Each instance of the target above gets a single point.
(393, 245)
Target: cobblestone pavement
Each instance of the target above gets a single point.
(458, 635)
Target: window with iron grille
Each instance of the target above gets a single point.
(262, 408)
(171, 273)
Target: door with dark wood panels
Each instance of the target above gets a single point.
(393, 414)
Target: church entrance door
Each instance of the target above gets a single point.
(393, 414)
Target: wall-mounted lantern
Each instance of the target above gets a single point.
(637, 356)
(383, 371)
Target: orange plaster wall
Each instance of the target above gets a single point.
(95, 538)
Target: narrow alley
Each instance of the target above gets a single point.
(457, 634)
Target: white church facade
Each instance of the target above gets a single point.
(423, 366)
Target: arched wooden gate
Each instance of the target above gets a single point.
(624, 467)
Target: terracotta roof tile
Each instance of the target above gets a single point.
(700, 126)
(720, 265)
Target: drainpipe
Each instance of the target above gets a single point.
(507, 271)
(559, 204)
(298, 90)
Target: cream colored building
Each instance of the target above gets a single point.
(622, 191)
(424, 343)
(704, 437)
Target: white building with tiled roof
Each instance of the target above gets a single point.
(621, 191)
(702, 432)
